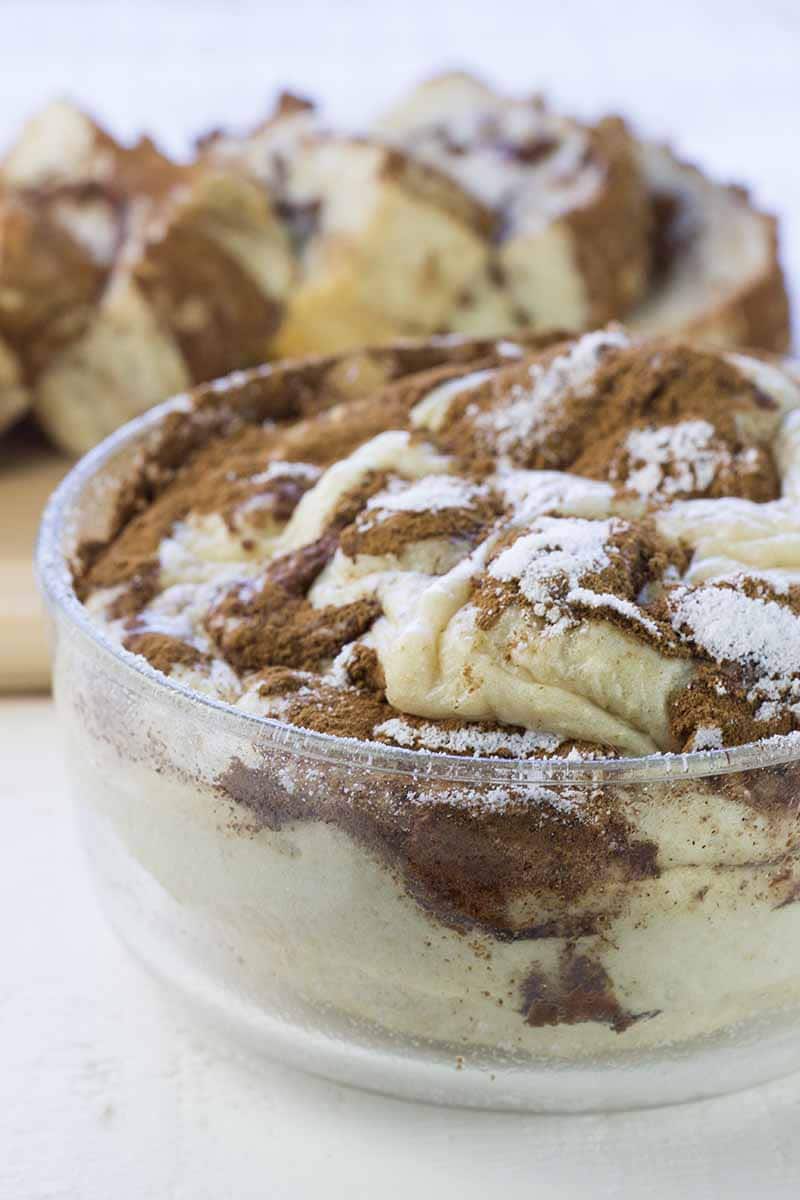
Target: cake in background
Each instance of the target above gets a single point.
(126, 277)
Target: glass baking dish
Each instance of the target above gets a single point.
(326, 901)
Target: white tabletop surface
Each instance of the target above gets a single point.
(105, 1090)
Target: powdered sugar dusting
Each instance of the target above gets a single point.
(530, 494)
(549, 562)
(556, 546)
(471, 556)
(674, 460)
(489, 151)
(337, 675)
(568, 802)
(306, 472)
(467, 740)
(586, 598)
(758, 634)
(433, 492)
(707, 737)
(532, 411)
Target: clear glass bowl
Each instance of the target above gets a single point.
(325, 901)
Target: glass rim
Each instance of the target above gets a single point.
(55, 581)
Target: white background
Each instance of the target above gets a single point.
(105, 1092)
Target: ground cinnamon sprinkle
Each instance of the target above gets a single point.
(162, 651)
(658, 421)
(216, 480)
(272, 623)
(635, 560)
(587, 431)
(490, 419)
(274, 408)
(752, 689)
(287, 631)
(670, 385)
(350, 714)
(398, 529)
(364, 669)
(142, 578)
(715, 699)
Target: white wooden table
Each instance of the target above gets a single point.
(105, 1090)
